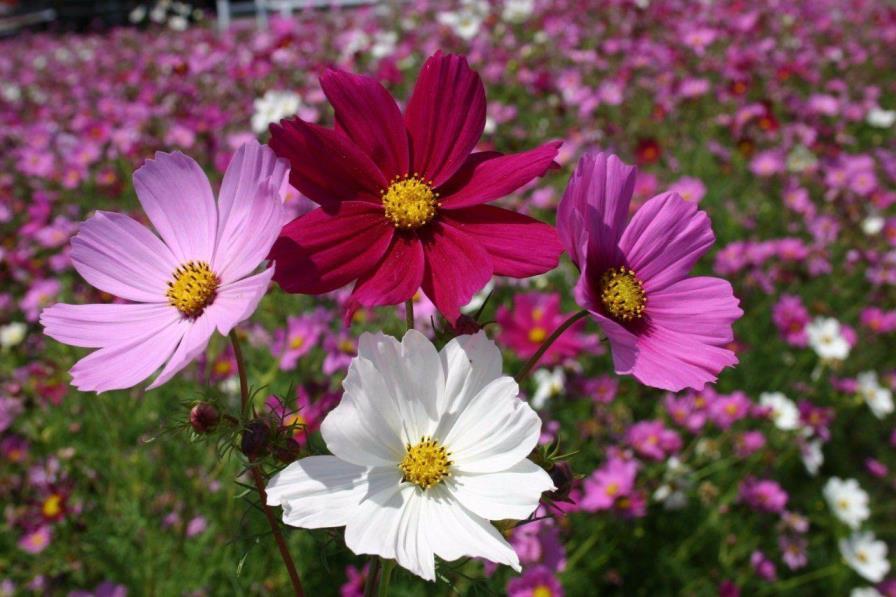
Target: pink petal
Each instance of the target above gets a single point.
(664, 240)
(445, 117)
(193, 343)
(96, 325)
(369, 116)
(519, 246)
(457, 267)
(683, 344)
(594, 208)
(395, 280)
(237, 301)
(326, 166)
(487, 176)
(176, 196)
(250, 210)
(320, 251)
(116, 254)
(123, 365)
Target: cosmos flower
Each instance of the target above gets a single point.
(403, 198)
(427, 448)
(878, 397)
(533, 317)
(847, 501)
(866, 555)
(667, 329)
(826, 337)
(197, 278)
(781, 409)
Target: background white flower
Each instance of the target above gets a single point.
(812, 456)
(272, 107)
(878, 398)
(428, 447)
(784, 413)
(847, 501)
(826, 338)
(548, 384)
(866, 555)
(12, 334)
(880, 118)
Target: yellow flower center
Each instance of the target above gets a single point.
(410, 202)
(193, 289)
(296, 342)
(537, 335)
(52, 506)
(623, 294)
(541, 591)
(426, 463)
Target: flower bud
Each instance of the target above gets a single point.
(204, 417)
(562, 476)
(256, 439)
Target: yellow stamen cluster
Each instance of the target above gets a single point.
(623, 294)
(537, 335)
(410, 202)
(426, 463)
(193, 289)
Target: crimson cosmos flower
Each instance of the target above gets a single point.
(402, 198)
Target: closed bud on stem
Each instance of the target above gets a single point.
(256, 439)
(563, 477)
(204, 417)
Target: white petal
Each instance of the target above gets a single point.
(373, 527)
(365, 428)
(412, 542)
(470, 363)
(494, 432)
(513, 493)
(413, 373)
(456, 532)
(318, 491)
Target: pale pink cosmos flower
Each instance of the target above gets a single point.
(183, 286)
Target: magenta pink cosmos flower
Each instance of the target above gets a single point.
(403, 197)
(665, 328)
(195, 279)
(533, 317)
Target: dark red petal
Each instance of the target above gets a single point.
(395, 280)
(319, 251)
(444, 117)
(369, 116)
(520, 246)
(457, 267)
(484, 179)
(326, 166)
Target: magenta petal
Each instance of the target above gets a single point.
(457, 267)
(250, 210)
(319, 251)
(519, 246)
(123, 365)
(369, 116)
(175, 194)
(118, 255)
(484, 178)
(664, 239)
(594, 208)
(683, 345)
(397, 277)
(445, 117)
(326, 166)
(93, 326)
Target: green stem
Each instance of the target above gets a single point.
(259, 480)
(409, 313)
(530, 364)
(373, 572)
(386, 577)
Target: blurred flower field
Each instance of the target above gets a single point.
(776, 119)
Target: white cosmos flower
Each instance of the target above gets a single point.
(466, 21)
(878, 398)
(427, 448)
(785, 415)
(826, 338)
(517, 11)
(847, 501)
(548, 384)
(880, 118)
(865, 592)
(866, 555)
(12, 334)
(812, 456)
(272, 107)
